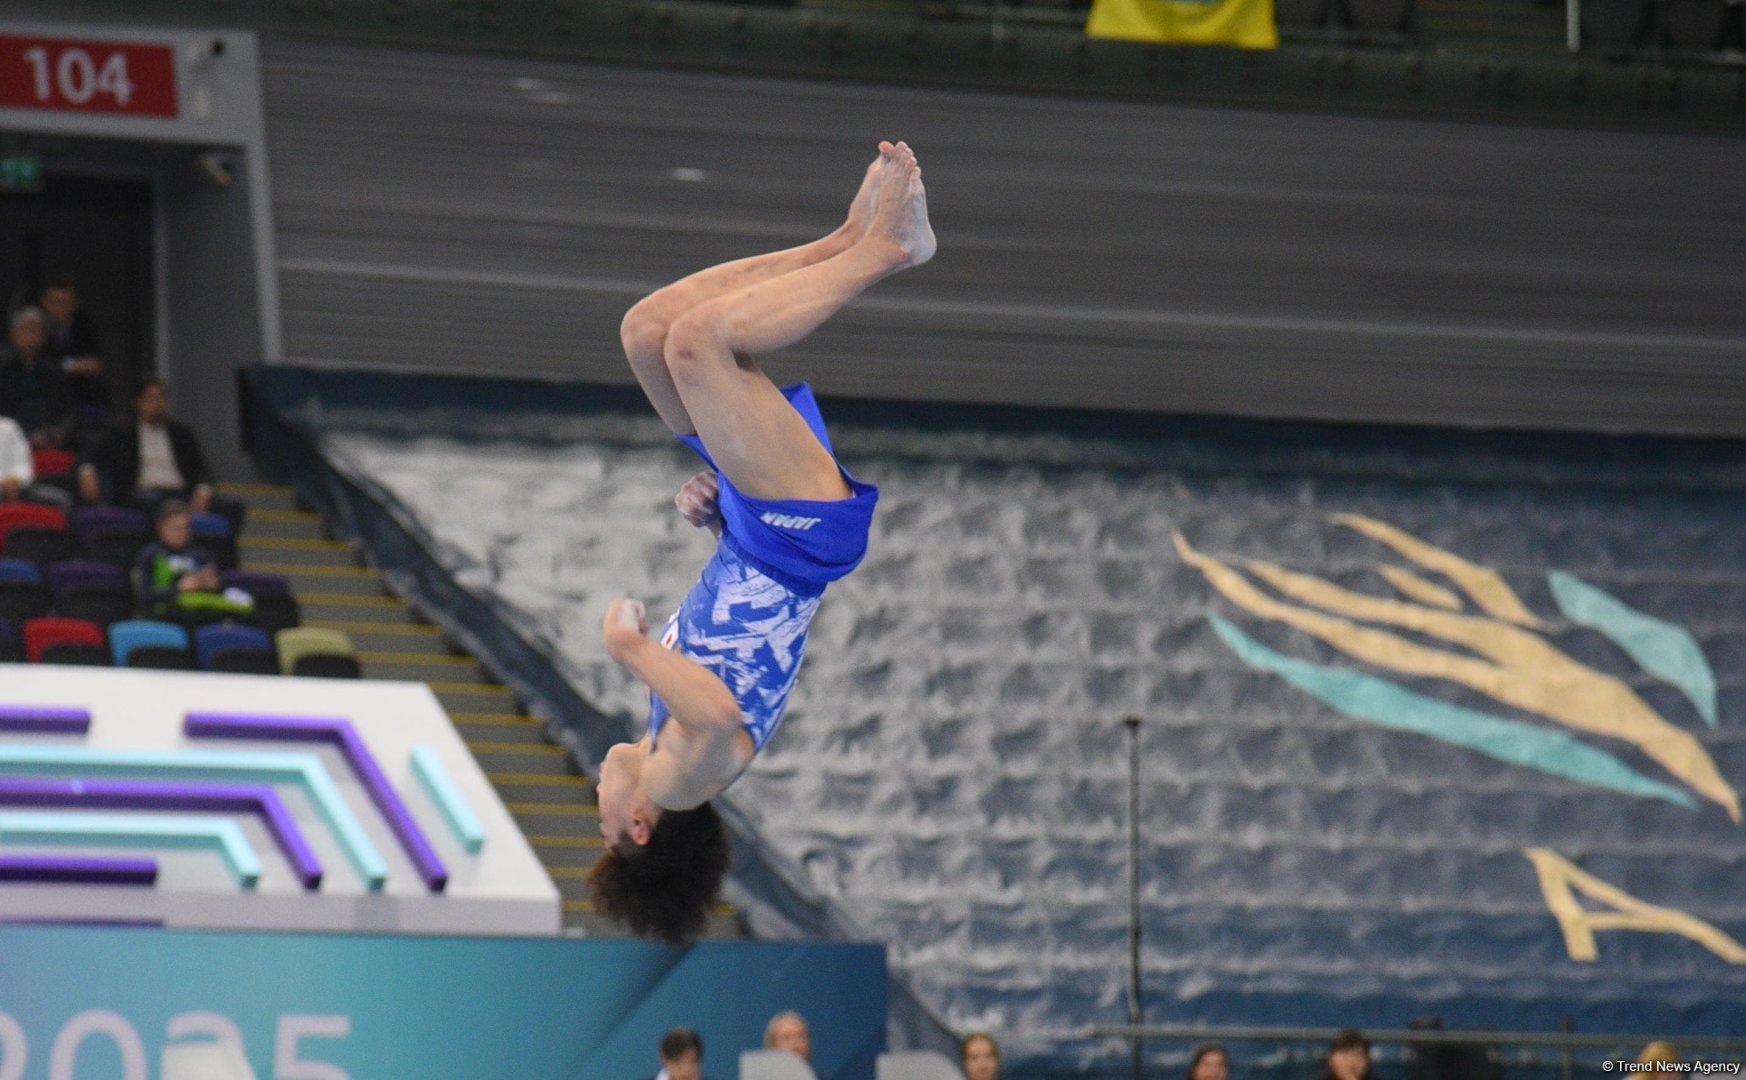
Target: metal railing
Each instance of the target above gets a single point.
(1415, 1036)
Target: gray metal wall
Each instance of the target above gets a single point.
(448, 212)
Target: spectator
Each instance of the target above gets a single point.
(152, 459)
(1210, 1062)
(1348, 1057)
(980, 1056)
(72, 341)
(788, 1031)
(18, 471)
(681, 1055)
(33, 389)
(177, 578)
(1659, 1053)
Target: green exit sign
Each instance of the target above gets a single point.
(21, 173)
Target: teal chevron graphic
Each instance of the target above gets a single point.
(1388, 704)
(1663, 649)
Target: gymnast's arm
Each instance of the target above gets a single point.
(705, 745)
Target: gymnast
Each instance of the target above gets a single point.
(788, 519)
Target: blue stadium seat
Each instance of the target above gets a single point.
(20, 571)
(146, 643)
(228, 647)
(213, 532)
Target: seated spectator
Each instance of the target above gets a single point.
(73, 342)
(33, 389)
(788, 1031)
(980, 1056)
(152, 459)
(1210, 1062)
(177, 578)
(681, 1055)
(18, 471)
(1348, 1057)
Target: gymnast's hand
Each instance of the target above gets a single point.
(626, 624)
(699, 502)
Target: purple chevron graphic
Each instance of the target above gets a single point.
(340, 733)
(44, 719)
(258, 799)
(78, 871)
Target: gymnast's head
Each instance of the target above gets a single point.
(662, 870)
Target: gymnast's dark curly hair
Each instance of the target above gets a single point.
(667, 887)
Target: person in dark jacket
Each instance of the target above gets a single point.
(33, 388)
(73, 341)
(149, 460)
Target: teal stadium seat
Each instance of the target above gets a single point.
(145, 643)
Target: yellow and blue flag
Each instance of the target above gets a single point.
(1247, 24)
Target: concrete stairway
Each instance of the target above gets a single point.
(551, 801)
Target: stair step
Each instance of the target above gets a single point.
(548, 780)
(552, 809)
(580, 858)
(389, 638)
(434, 668)
(261, 496)
(529, 749)
(283, 525)
(300, 551)
(495, 719)
(520, 762)
(386, 629)
(322, 603)
(566, 842)
(541, 795)
(473, 697)
(325, 571)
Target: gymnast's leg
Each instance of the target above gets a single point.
(756, 437)
(644, 330)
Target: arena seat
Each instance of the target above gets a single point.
(90, 590)
(150, 644)
(87, 520)
(72, 572)
(65, 641)
(256, 583)
(213, 532)
(34, 532)
(22, 592)
(112, 534)
(316, 651)
(275, 607)
(11, 644)
(51, 464)
(274, 612)
(229, 647)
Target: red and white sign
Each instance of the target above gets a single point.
(87, 76)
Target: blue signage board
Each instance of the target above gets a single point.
(85, 1002)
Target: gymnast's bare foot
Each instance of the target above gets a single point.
(901, 221)
(866, 201)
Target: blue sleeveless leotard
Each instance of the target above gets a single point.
(746, 619)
